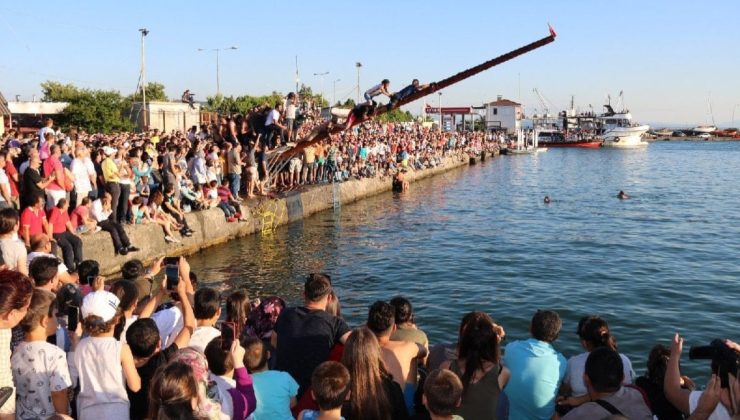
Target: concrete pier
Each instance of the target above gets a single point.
(211, 227)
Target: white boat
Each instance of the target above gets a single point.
(527, 143)
(620, 131)
(705, 129)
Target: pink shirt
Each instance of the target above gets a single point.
(53, 164)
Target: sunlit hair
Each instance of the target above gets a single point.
(15, 291)
(171, 393)
(478, 344)
(238, 308)
(362, 358)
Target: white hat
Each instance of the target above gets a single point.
(101, 303)
(108, 150)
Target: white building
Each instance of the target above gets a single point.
(503, 114)
(166, 116)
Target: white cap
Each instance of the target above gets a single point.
(101, 303)
(108, 150)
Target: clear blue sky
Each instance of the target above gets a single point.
(667, 56)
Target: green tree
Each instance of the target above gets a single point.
(92, 110)
(396, 115)
(154, 92)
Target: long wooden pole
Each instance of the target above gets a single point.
(325, 130)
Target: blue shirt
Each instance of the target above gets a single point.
(537, 370)
(273, 390)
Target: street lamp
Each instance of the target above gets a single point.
(334, 94)
(322, 82)
(359, 66)
(218, 84)
(441, 116)
(142, 74)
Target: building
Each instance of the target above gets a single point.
(503, 114)
(4, 114)
(166, 116)
(29, 116)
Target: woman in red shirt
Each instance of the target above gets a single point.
(64, 234)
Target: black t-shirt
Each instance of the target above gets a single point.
(662, 408)
(395, 399)
(31, 179)
(140, 400)
(305, 339)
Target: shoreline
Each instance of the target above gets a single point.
(264, 214)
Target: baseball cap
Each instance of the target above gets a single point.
(101, 303)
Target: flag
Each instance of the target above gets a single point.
(552, 31)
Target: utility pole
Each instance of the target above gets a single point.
(218, 82)
(297, 79)
(441, 116)
(358, 65)
(334, 95)
(144, 33)
(322, 83)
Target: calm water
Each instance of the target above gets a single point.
(481, 238)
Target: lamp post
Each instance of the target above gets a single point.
(322, 82)
(359, 66)
(218, 83)
(334, 94)
(441, 116)
(144, 33)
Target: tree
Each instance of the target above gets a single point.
(97, 111)
(154, 92)
(396, 115)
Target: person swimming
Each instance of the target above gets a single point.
(547, 199)
(622, 195)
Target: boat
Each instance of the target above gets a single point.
(526, 143)
(704, 129)
(663, 132)
(705, 136)
(620, 132)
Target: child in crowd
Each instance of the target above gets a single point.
(139, 211)
(12, 249)
(149, 353)
(442, 394)
(100, 362)
(40, 369)
(238, 308)
(242, 395)
(207, 311)
(275, 391)
(222, 203)
(330, 388)
(143, 188)
(81, 219)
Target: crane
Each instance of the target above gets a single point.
(543, 102)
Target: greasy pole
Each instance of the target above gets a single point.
(325, 130)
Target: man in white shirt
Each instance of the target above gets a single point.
(290, 111)
(5, 198)
(84, 173)
(273, 128)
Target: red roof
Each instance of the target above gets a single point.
(504, 102)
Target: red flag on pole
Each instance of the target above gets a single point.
(552, 31)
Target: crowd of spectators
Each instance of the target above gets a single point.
(65, 185)
(150, 347)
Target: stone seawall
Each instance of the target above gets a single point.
(211, 227)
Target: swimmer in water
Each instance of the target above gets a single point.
(547, 199)
(622, 195)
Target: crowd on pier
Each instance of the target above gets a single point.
(69, 184)
(157, 345)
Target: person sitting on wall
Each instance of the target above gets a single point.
(188, 98)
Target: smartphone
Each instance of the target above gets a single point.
(170, 261)
(5, 393)
(172, 274)
(228, 334)
(73, 317)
